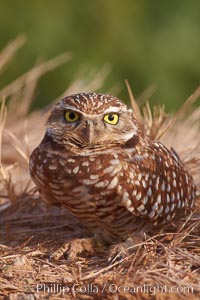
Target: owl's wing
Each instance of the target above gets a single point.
(155, 182)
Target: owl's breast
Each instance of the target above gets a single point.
(77, 179)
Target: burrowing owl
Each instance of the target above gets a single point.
(98, 162)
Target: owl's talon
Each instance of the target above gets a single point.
(117, 253)
(79, 248)
(59, 253)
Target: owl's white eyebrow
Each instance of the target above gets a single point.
(112, 109)
(69, 107)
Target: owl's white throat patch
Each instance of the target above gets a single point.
(129, 135)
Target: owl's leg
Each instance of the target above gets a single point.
(121, 250)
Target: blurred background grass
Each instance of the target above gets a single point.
(146, 42)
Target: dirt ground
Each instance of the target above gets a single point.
(40, 259)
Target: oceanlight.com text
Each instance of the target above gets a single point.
(111, 288)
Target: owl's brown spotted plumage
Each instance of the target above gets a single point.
(97, 161)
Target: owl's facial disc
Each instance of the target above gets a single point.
(86, 124)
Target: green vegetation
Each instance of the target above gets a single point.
(146, 42)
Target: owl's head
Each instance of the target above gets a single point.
(91, 121)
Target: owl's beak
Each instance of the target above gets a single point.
(87, 132)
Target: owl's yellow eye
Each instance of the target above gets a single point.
(111, 119)
(71, 116)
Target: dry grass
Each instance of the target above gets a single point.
(165, 265)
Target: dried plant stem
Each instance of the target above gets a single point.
(3, 116)
(180, 112)
(10, 49)
(34, 73)
(134, 104)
